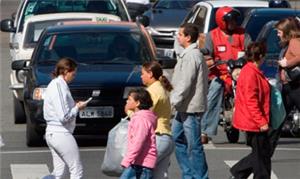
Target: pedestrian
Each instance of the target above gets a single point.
(227, 41)
(60, 113)
(137, 7)
(288, 30)
(252, 115)
(189, 98)
(141, 154)
(159, 87)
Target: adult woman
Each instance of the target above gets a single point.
(60, 113)
(252, 106)
(159, 87)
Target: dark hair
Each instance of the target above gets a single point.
(64, 64)
(143, 96)
(290, 27)
(157, 73)
(255, 51)
(192, 30)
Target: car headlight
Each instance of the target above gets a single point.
(152, 31)
(20, 74)
(126, 91)
(38, 93)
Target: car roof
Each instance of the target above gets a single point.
(236, 3)
(121, 26)
(274, 11)
(70, 15)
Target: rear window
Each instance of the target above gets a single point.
(35, 7)
(95, 48)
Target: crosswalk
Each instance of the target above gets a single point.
(29, 171)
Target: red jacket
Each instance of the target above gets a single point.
(252, 100)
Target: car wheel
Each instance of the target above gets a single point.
(20, 117)
(32, 137)
(232, 135)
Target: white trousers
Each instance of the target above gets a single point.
(64, 150)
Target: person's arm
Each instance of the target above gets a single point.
(187, 78)
(138, 141)
(247, 40)
(208, 51)
(251, 92)
(64, 112)
(294, 48)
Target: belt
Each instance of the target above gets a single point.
(161, 134)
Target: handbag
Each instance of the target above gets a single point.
(277, 110)
(116, 149)
(292, 74)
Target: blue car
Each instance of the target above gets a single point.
(109, 58)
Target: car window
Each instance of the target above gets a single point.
(35, 7)
(244, 12)
(200, 18)
(96, 48)
(175, 4)
(34, 30)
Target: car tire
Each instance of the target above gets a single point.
(33, 139)
(19, 112)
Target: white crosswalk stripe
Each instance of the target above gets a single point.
(230, 163)
(29, 171)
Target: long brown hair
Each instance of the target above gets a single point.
(63, 65)
(157, 73)
(290, 27)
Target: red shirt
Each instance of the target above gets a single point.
(252, 100)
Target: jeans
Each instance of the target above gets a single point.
(64, 150)
(137, 172)
(186, 130)
(210, 119)
(165, 147)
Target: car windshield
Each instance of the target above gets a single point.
(34, 30)
(95, 48)
(35, 7)
(175, 4)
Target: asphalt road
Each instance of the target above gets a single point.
(20, 162)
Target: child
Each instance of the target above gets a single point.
(141, 154)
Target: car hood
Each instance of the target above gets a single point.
(96, 75)
(164, 18)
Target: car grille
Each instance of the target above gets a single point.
(105, 93)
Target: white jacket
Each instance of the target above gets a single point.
(59, 109)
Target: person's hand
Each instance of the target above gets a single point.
(283, 62)
(81, 105)
(264, 128)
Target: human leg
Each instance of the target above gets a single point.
(210, 119)
(66, 148)
(195, 151)
(165, 147)
(128, 173)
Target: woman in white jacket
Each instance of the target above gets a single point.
(60, 113)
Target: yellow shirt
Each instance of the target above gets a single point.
(161, 107)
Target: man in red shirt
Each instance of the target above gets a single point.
(227, 41)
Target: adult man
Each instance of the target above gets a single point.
(225, 42)
(189, 98)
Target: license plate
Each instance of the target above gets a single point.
(169, 53)
(97, 112)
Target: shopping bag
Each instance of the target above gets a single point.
(277, 110)
(115, 149)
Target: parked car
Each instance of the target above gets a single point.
(32, 29)
(257, 18)
(164, 17)
(270, 69)
(28, 8)
(104, 72)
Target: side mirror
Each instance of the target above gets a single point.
(7, 25)
(143, 20)
(167, 62)
(19, 65)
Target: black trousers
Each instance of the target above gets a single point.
(291, 98)
(258, 161)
